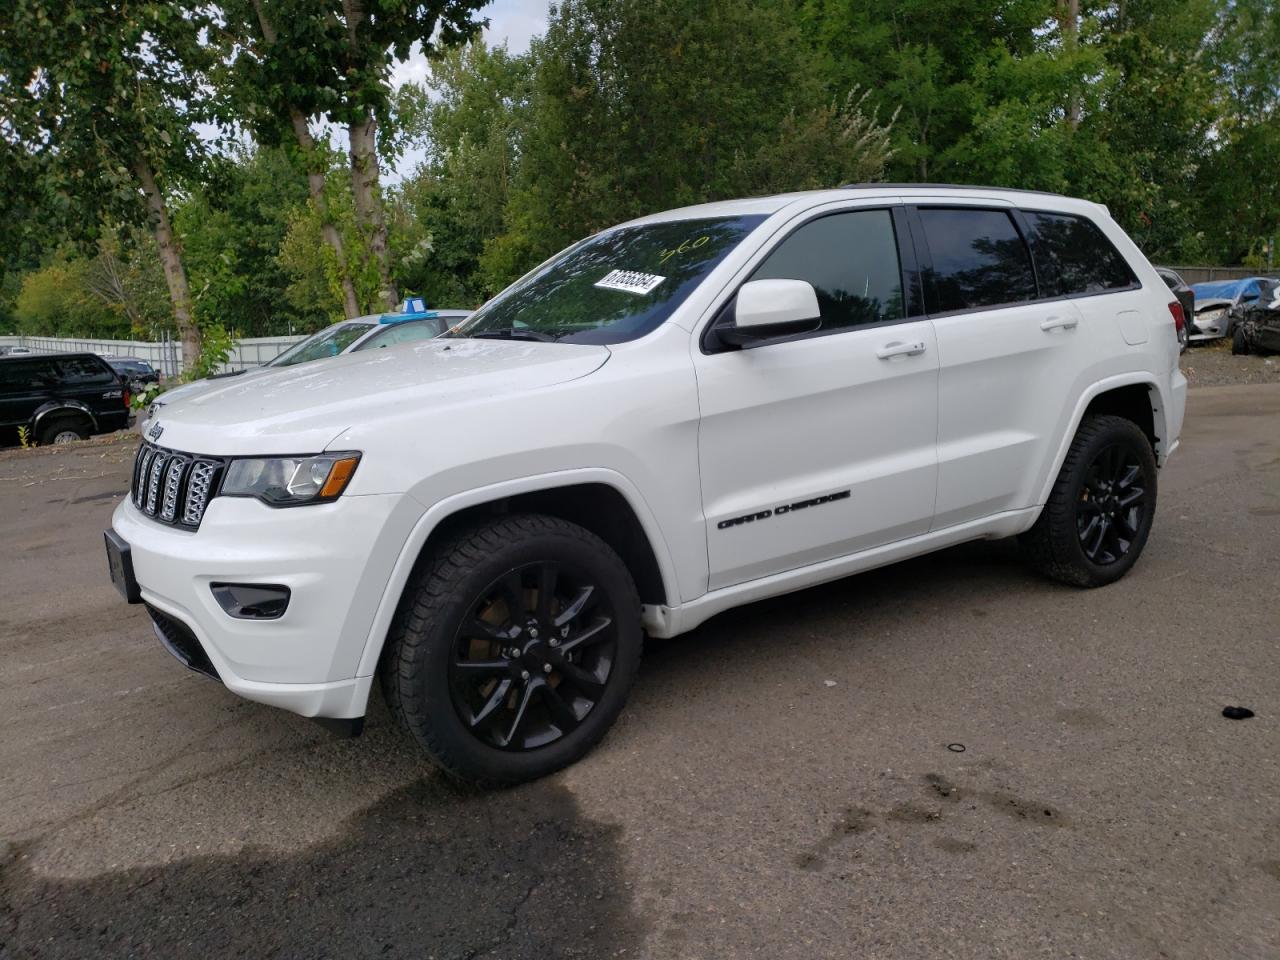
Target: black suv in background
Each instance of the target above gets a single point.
(60, 397)
(136, 373)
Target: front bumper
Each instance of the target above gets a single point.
(335, 558)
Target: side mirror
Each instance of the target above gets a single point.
(771, 308)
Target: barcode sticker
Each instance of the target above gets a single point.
(630, 280)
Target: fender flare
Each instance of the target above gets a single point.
(53, 406)
(1158, 419)
(441, 510)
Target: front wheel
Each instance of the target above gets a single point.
(1099, 513)
(514, 649)
(1239, 341)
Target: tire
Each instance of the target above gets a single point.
(1239, 342)
(1085, 516)
(63, 430)
(485, 691)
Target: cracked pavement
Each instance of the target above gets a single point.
(779, 786)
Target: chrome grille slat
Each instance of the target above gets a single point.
(153, 482)
(172, 487)
(172, 483)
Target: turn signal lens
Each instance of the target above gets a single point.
(339, 475)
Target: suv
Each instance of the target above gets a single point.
(61, 397)
(678, 415)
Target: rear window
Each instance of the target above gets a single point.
(1075, 257)
(85, 372)
(979, 260)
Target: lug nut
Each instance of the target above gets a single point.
(546, 668)
(524, 674)
(554, 642)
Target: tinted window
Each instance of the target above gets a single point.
(979, 260)
(1075, 257)
(85, 372)
(852, 261)
(22, 375)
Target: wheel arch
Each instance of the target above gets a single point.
(602, 501)
(1136, 397)
(53, 407)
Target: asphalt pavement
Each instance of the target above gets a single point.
(945, 758)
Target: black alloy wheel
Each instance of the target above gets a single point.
(514, 649)
(1099, 513)
(1112, 504)
(533, 657)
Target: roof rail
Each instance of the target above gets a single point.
(942, 186)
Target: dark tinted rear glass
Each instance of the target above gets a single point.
(1075, 257)
(85, 371)
(979, 260)
(19, 375)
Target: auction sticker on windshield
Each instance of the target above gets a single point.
(630, 281)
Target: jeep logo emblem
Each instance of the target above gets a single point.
(155, 431)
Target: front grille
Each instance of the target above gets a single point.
(182, 643)
(173, 487)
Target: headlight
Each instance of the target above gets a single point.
(289, 481)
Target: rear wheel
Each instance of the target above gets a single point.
(514, 650)
(64, 430)
(1099, 514)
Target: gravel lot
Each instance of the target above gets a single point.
(780, 785)
(1212, 365)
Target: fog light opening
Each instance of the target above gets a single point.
(252, 601)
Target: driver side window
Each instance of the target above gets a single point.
(851, 259)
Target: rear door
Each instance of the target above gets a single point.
(1009, 358)
(822, 444)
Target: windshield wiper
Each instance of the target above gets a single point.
(513, 333)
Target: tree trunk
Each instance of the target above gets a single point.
(316, 169)
(368, 202)
(328, 229)
(365, 191)
(1069, 24)
(175, 274)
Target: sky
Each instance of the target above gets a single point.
(514, 22)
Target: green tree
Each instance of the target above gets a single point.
(100, 97)
(472, 114)
(640, 105)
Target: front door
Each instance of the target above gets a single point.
(824, 444)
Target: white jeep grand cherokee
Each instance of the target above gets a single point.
(676, 416)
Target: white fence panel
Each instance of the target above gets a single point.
(165, 356)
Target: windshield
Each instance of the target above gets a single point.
(404, 332)
(615, 286)
(329, 342)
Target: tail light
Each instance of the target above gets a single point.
(127, 398)
(1179, 317)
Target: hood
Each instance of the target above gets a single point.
(1214, 303)
(300, 409)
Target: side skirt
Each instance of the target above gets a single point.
(665, 621)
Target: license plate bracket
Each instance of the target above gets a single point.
(120, 565)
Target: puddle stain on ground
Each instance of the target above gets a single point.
(857, 820)
(429, 870)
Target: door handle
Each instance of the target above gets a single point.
(1059, 323)
(900, 349)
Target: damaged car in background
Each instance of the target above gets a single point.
(1221, 304)
(1258, 330)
